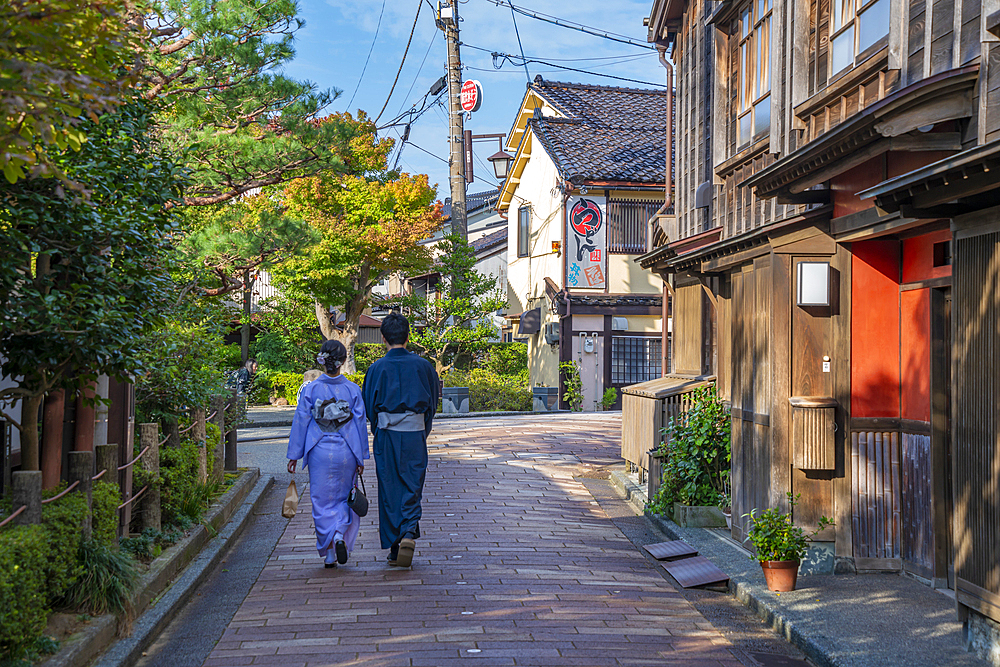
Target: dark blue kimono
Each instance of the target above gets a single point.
(397, 383)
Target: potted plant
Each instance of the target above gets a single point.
(780, 544)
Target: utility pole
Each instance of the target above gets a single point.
(448, 22)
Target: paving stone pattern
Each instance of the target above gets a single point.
(518, 565)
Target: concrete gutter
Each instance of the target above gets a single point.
(841, 620)
(236, 504)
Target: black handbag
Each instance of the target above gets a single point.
(357, 500)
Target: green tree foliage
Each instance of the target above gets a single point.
(240, 123)
(370, 227)
(81, 281)
(572, 385)
(455, 318)
(60, 62)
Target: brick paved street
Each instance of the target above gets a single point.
(518, 565)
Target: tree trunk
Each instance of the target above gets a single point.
(326, 327)
(245, 329)
(29, 432)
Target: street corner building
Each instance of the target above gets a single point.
(834, 265)
(587, 177)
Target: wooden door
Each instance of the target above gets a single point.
(751, 461)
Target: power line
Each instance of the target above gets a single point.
(413, 29)
(365, 68)
(514, 20)
(572, 25)
(426, 151)
(419, 70)
(618, 59)
(505, 57)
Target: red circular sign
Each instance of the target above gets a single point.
(471, 96)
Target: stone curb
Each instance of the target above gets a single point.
(440, 415)
(147, 627)
(99, 634)
(745, 592)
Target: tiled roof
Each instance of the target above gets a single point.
(473, 202)
(490, 240)
(608, 134)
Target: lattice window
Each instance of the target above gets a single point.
(523, 230)
(634, 359)
(754, 112)
(857, 27)
(628, 225)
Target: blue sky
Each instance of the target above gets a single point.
(332, 48)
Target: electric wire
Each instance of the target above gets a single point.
(572, 25)
(525, 63)
(501, 58)
(410, 143)
(413, 29)
(419, 70)
(365, 68)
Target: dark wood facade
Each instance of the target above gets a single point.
(822, 109)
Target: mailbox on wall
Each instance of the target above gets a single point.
(814, 425)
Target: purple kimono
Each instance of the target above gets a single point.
(332, 458)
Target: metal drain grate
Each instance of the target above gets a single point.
(777, 660)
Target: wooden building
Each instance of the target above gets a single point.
(835, 263)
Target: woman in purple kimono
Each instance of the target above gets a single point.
(329, 435)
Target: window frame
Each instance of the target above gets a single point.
(629, 236)
(858, 7)
(523, 231)
(753, 33)
(628, 366)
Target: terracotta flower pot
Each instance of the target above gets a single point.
(780, 574)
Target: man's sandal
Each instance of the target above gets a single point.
(405, 556)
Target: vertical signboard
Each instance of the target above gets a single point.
(586, 242)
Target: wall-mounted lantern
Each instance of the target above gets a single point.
(814, 284)
(501, 164)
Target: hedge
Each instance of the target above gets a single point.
(490, 392)
(23, 599)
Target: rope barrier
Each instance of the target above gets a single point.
(133, 498)
(163, 442)
(133, 461)
(98, 475)
(185, 430)
(211, 416)
(13, 515)
(68, 489)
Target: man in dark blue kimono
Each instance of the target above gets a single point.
(401, 395)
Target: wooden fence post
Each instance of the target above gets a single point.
(107, 459)
(231, 436)
(81, 469)
(26, 491)
(218, 407)
(198, 433)
(149, 436)
(172, 427)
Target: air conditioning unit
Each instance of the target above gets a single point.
(619, 324)
(552, 333)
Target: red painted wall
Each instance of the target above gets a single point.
(915, 353)
(846, 185)
(875, 329)
(918, 257)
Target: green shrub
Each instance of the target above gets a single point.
(775, 537)
(697, 467)
(366, 354)
(280, 384)
(356, 378)
(107, 584)
(23, 599)
(489, 392)
(63, 524)
(105, 522)
(507, 358)
(572, 385)
(179, 495)
(230, 356)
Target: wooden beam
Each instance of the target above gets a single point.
(735, 259)
(966, 187)
(839, 166)
(930, 141)
(805, 197)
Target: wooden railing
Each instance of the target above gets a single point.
(647, 408)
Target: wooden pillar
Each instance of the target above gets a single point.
(26, 490)
(231, 464)
(149, 436)
(81, 469)
(172, 430)
(218, 407)
(52, 436)
(107, 460)
(101, 391)
(198, 433)
(83, 436)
